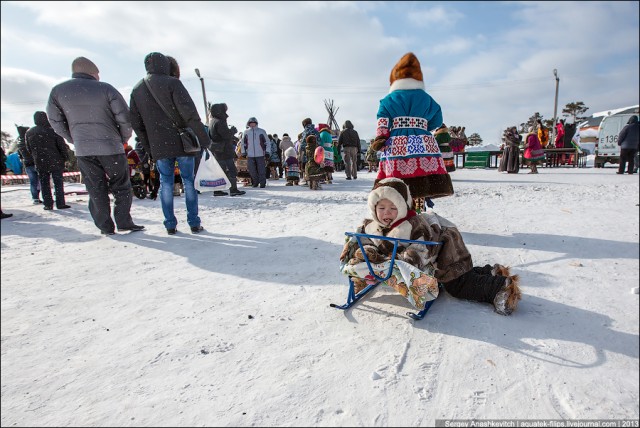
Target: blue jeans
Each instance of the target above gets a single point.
(165, 168)
(34, 182)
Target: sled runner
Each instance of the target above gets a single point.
(376, 279)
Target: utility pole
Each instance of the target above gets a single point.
(204, 96)
(555, 108)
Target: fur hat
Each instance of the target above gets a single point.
(84, 65)
(290, 153)
(394, 190)
(252, 120)
(407, 67)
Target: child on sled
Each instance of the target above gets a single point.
(421, 267)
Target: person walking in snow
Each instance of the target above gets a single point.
(406, 117)
(326, 142)
(49, 153)
(273, 161)
(628, 140)
(533, 152)
(291, 166)
(160, 136)
(223, 146)
(94, 117)
(308, 129)
(510, 161)
(419, 268)
(349, 141)
(29, 165)
(256, 147)
(543, 134)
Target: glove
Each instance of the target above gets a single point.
(234, 130)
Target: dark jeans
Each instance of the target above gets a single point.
(257, 170)
(229, 168)
(58, 185)
(104, 174)
(627, 156)
(34, 182)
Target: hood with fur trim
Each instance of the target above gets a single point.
(394, 190)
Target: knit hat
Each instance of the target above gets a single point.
(84, 65)
(407, 67)
(252, 119)
(394, 190)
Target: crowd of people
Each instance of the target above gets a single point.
(412, 155)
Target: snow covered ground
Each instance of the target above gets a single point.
(232, 327)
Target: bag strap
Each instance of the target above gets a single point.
(153, 94)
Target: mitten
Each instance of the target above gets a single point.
(372, 254)
(378, 143)
(411, 257)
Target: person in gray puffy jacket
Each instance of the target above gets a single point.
(628, 140)
(255, 146)
(94, 117)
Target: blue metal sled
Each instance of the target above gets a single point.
(352, 297)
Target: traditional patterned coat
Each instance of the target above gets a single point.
(533, 151)
(291, 165)
(443, 138)
(406, 117)
(327, 144)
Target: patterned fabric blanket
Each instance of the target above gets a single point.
(415, 285)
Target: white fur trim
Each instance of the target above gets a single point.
(386, 192)
(404, 84)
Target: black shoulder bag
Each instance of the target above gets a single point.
(190, 142)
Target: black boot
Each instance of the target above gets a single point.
(235, 192)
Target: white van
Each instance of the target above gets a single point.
(607, 149)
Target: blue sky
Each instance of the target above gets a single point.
(488, 64)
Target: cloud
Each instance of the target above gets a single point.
(439, 15)
(280, 60)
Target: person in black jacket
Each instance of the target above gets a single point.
(3, 171)
(629, 142)
(160, 138)
(94, 117)
(49, 153)
(224, 147)
(349, 140)
(29, 165)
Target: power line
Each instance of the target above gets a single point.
(340, 89)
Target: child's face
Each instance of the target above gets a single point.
(386, 211)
